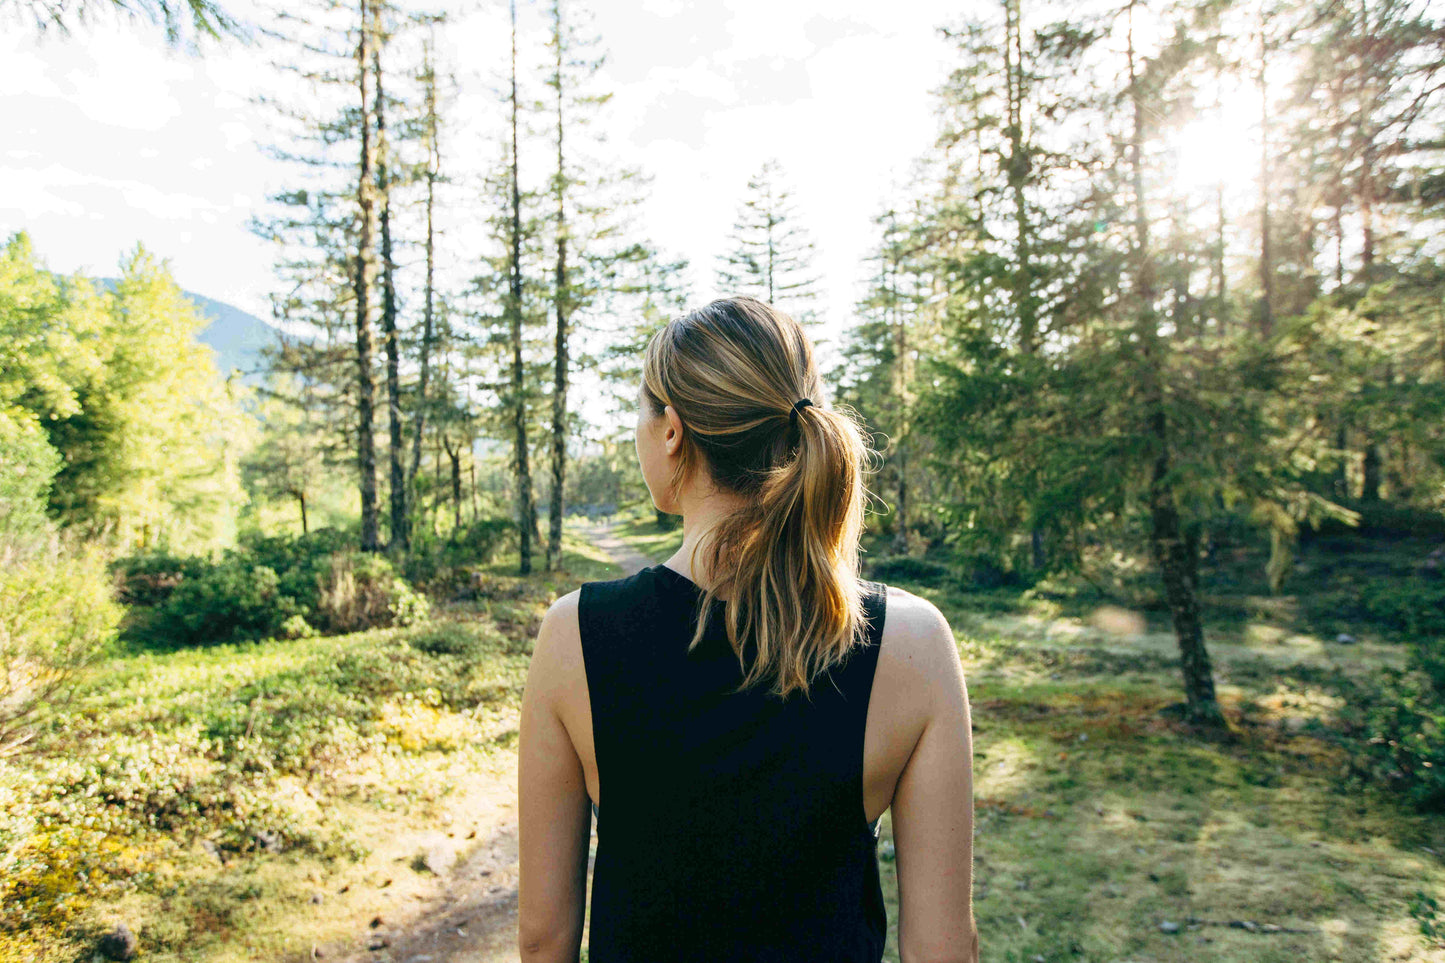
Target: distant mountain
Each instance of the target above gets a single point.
(236, 336)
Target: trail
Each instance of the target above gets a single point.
(628, 558)
(472, 915)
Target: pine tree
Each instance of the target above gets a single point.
(430, 133)
(770, 254)
(517, 390)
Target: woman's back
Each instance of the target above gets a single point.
(734, 824)
(752, 706)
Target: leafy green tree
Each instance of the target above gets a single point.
(147, 432)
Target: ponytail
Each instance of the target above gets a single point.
(741, 377)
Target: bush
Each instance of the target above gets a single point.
(226, 602)
(1397, 727)
(1410, 606)
(1413, 607)
(267, 587)
(445, 566)
(361, 591)
(149, 578)
(301, 563)
(906, 568)
(56, 612)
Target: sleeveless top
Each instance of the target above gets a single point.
(735, 827)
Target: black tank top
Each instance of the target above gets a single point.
(735, 827)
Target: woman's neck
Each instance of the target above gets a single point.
(701, 516)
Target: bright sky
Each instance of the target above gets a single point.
(111, 138)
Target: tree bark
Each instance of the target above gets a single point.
(526, 513)
(560, 374)
(400, 537)
(1176, 556)
(1266, 253)
(454, 455)
(364, 279)
(428, 308)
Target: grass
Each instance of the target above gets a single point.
(1099, 818)
(252, 801)
(638, 527)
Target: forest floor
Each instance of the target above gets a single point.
(1106, 830)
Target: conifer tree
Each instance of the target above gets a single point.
(770, 255)
(516, 400)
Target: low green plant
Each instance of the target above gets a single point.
(230, 600)
(1395, 726)
(1426, 911)
(56, 614)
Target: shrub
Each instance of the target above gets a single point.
(906, 568)
(56, 612)
(361, 591)
(148, 578)
(267, 587)
(445, 566)
(226, 602)
(1397, 727)
(1410, 606)
(301, 563)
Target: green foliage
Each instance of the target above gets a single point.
(210, 743)
(1426, 911)
(229, 600)
(361, 591)
(1408, 606)
(146, 432)
(444, 565)
(56, 613)
(909, 569)
(27, 465)
(268, 587)
(1396, 727)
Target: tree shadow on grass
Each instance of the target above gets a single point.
(1100, 820)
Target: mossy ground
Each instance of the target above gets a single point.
(251, 802)
(1098, 816)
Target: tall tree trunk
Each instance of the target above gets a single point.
(400, 539)
(1176, 554)
(454, 455)
(1266, 253)
(901, 520)
(526, 513)
(1022, 293)
(1373, 477)
(562, 306)
(364, 278)
(433, 168)
(300, 496)
(1019, 164)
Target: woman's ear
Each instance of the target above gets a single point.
(672, 438)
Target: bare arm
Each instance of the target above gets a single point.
(555, 816)
(933, 807)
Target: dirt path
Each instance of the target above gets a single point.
(629, 558)
(471, 915)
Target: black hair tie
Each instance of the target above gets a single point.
(798, 406)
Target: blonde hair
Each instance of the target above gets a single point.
(787, 562)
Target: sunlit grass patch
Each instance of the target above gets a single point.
(200, 796)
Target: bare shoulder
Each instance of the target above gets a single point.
(916, 636)
(557, 653)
